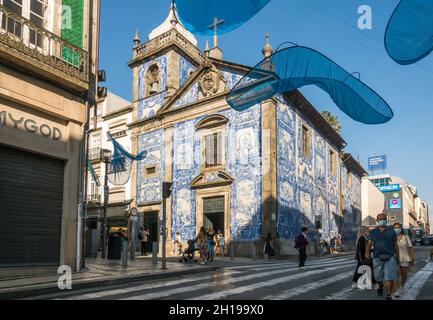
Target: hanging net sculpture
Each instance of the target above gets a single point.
(204, 17)
(294, 67)
(92, 171)
(409, 34)
(121, 163)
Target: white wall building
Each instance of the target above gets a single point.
(112, 115)
(372, 202)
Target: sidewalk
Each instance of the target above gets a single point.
(100, 272)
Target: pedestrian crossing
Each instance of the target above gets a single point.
(327, 279)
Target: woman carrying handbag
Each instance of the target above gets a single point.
(360, 257)
(406, 251)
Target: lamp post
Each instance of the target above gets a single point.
(106, 158)
(166, 192)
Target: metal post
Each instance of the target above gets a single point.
(154, 253)
(124, 253)
(232, 250)
(106, 193)
(253, 248)
(132, 237)
(164, 240)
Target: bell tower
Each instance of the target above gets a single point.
(156, 64)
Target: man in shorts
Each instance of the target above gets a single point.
(385, 255)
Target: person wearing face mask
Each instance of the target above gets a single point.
(385, 255)
(406, 251)
(361, 245)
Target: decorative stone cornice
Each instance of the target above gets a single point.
(212, 121)
(211, 179)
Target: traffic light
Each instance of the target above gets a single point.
(102, 77)
(102, 92)
(166, 189)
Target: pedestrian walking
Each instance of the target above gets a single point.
(201, 241)
(268, 249)
(211, 241)
(143, 236)
(406, 254)
(333, 244)
(385, 255)
(177, 244)
(361, 246)
(339, 244)
(221, 243)
(301, 243)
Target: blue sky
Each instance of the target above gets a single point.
(329, 26)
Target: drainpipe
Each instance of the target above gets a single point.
(90, 102)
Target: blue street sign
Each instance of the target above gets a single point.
(377, 163)
(390, 188)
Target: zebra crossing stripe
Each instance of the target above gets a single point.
(268, 283)
(156, 295)
(342, 295)
(308, 264)
(415, 284)
(106, 293)
(288, 263)
(309, 287)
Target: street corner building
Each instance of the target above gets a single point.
(47, 78)
(270, 169)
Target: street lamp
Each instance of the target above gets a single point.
(106, 158)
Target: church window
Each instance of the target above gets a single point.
(332, 162)
(213, 150)
(153, 80)
(348, 179)
(305, 141)
(150, 170)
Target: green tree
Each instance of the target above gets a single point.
(332, 120)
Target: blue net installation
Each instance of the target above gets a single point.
(294, 67)
(121, 163)
(409, 34)
(204, 17)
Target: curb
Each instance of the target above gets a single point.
(31, 292)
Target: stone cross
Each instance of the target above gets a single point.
(214, 26)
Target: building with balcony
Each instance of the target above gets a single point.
(48, 63)
(269, 169)
(112, 115)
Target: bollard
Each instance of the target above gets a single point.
(124, 254)
(253, 248)
(133, 248)
(232, 251)
(154, 253)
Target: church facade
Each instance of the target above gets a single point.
(270, 169)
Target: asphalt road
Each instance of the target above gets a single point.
(329, 278)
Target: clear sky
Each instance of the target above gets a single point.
(329, 26)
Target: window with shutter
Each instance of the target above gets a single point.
(213, 150)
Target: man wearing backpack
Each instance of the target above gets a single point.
(301, 243)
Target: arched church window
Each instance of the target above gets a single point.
(153, 79)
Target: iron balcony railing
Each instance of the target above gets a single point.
(95, 154)
(94, 198)
(24, 36)
(166, 39)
